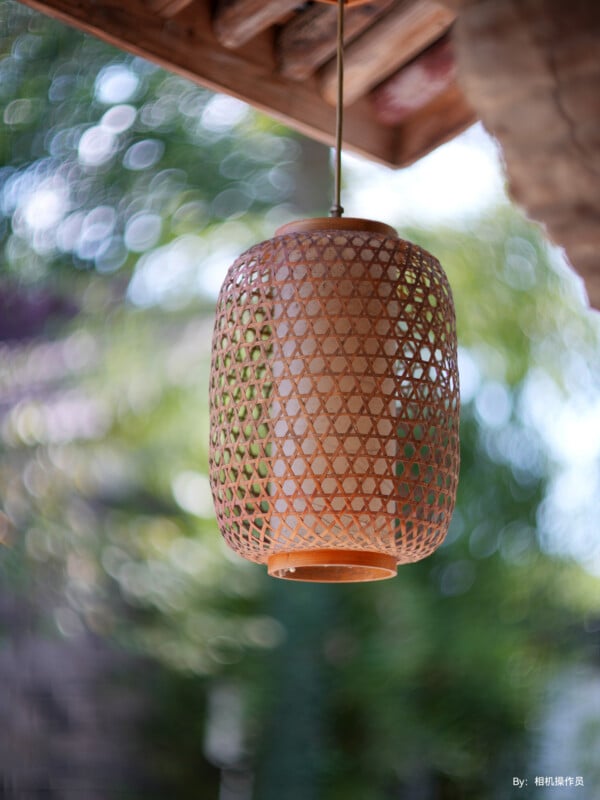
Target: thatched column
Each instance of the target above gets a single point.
(531, 70)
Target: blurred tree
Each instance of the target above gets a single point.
(124, 190)
(107, 159)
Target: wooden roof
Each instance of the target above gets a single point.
(401, 95)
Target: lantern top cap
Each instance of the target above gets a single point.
(336, 224)
(346, 2)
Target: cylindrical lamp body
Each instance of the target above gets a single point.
(334, 402)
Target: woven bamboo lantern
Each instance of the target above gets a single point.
(334, 398)
(334, 402)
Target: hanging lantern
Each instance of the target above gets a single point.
(334, 400)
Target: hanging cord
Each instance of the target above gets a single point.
(336, 209)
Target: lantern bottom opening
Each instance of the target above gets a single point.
(332, 566)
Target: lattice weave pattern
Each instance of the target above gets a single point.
(334, 397)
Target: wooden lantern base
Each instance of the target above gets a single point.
(332, 566)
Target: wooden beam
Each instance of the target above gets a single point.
(168, 8)
(308, 40)
(439, 121)
(416, 84)
(236, 22)
(389, 44)
(186, 45)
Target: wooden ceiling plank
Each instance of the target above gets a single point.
(236, 22)
(392, 42)
(308, 40)
(168, 8)
(186, 45)
(416, 84)
(436, 123)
